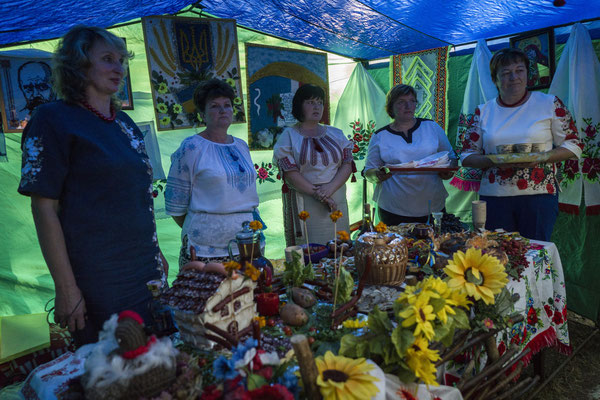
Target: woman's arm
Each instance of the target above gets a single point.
(377, 175)
(341, 176)
(299, 183)
(69, 304)
(477, 161)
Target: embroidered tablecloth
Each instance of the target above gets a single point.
(543, 304)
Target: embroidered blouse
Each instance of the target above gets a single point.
(214, 185)
(541, 119)
(408, 195)
(317, 159)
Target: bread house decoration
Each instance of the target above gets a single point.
(211, 308)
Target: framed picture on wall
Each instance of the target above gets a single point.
(539, 47)
(273, 76)
(125, 94)
(25, 84)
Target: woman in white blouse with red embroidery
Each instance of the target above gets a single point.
(520, 197)
(315, 162)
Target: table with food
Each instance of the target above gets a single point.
(424, 310)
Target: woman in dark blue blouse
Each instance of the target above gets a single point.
(90, 181)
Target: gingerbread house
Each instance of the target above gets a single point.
(211, 308)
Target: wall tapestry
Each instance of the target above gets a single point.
(425, 71)
(25, 77)
(273, 76)
(183, 52)
(539, 47)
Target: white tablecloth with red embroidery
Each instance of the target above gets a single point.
(542, 302)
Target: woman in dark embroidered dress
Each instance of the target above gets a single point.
(90, 181)
(315, 161)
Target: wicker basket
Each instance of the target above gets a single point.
(389, 256)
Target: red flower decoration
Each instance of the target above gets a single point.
(356, 149)
(275, 392)
(548, 310)
(492, 177)
(560, 112)
(474, 136)
(537, 174)
(550, 188)
(571, 136)
(532, 317)
(266, 372)
(211, 393)
(591, 167)
(477, 112)
(501, 348)
(358, 137)
(557, 318)
(505, 173)
(572, 126)
(524, 336)
(590, 131)
(564, 313)
(262, 173)
(522, 184)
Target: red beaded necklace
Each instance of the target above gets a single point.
(513, 104)
(113, 113)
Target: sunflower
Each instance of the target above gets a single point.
(420, 359)
(177, 109)
(421, 315)
(165, 120)
(251, 272)
(231, 266)
(162, 88)
(162, 108)
(354, 324)
(480, 276)
(459, 298)
(344, 378)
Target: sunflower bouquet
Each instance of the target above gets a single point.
(426, 313)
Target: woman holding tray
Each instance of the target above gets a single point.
(520, 196)
(406, 198)
(315, 161)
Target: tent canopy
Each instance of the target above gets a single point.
(360, 29)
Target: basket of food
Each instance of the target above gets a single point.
(389, 257)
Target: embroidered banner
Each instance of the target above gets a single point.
(426, 71)
(273, 76)
(576, 84)
(183, 52)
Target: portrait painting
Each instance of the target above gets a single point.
(539, 47)
(273, 76)
(181, 53)
(25, 77)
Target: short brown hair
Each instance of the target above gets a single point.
(504, 57)
(211, 89)
(72, 61)
(305, 92)
(394, 93)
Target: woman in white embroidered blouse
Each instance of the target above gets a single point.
(520, 197)
(211, 188)
(406, 198)
(315, 162)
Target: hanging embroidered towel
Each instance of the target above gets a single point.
(577, 83)
(480, 89)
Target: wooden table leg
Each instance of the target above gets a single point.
(538, 364)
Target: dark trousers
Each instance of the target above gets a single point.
(532, 216)
(389, 218)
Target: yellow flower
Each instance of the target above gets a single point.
(162, 88)
(354, 324)
(237, 101)
(230, 82)
(303, 215)
(336, 215)
(256, 225)
(165, 120)
(480, 276)
(262, 322)
(344, 378)
(162, 108)
(251, 271)
(231, 266)
(177, 109)
(420, 359)
(420, 314)
(459, 298)
(381, 227)
(343, 235)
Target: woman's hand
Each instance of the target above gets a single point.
(330, 203)
(325, 190)
(378, 175)
(478, 161)
(69, 308)
(446, 175)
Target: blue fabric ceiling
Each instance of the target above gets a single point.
(363, 29)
